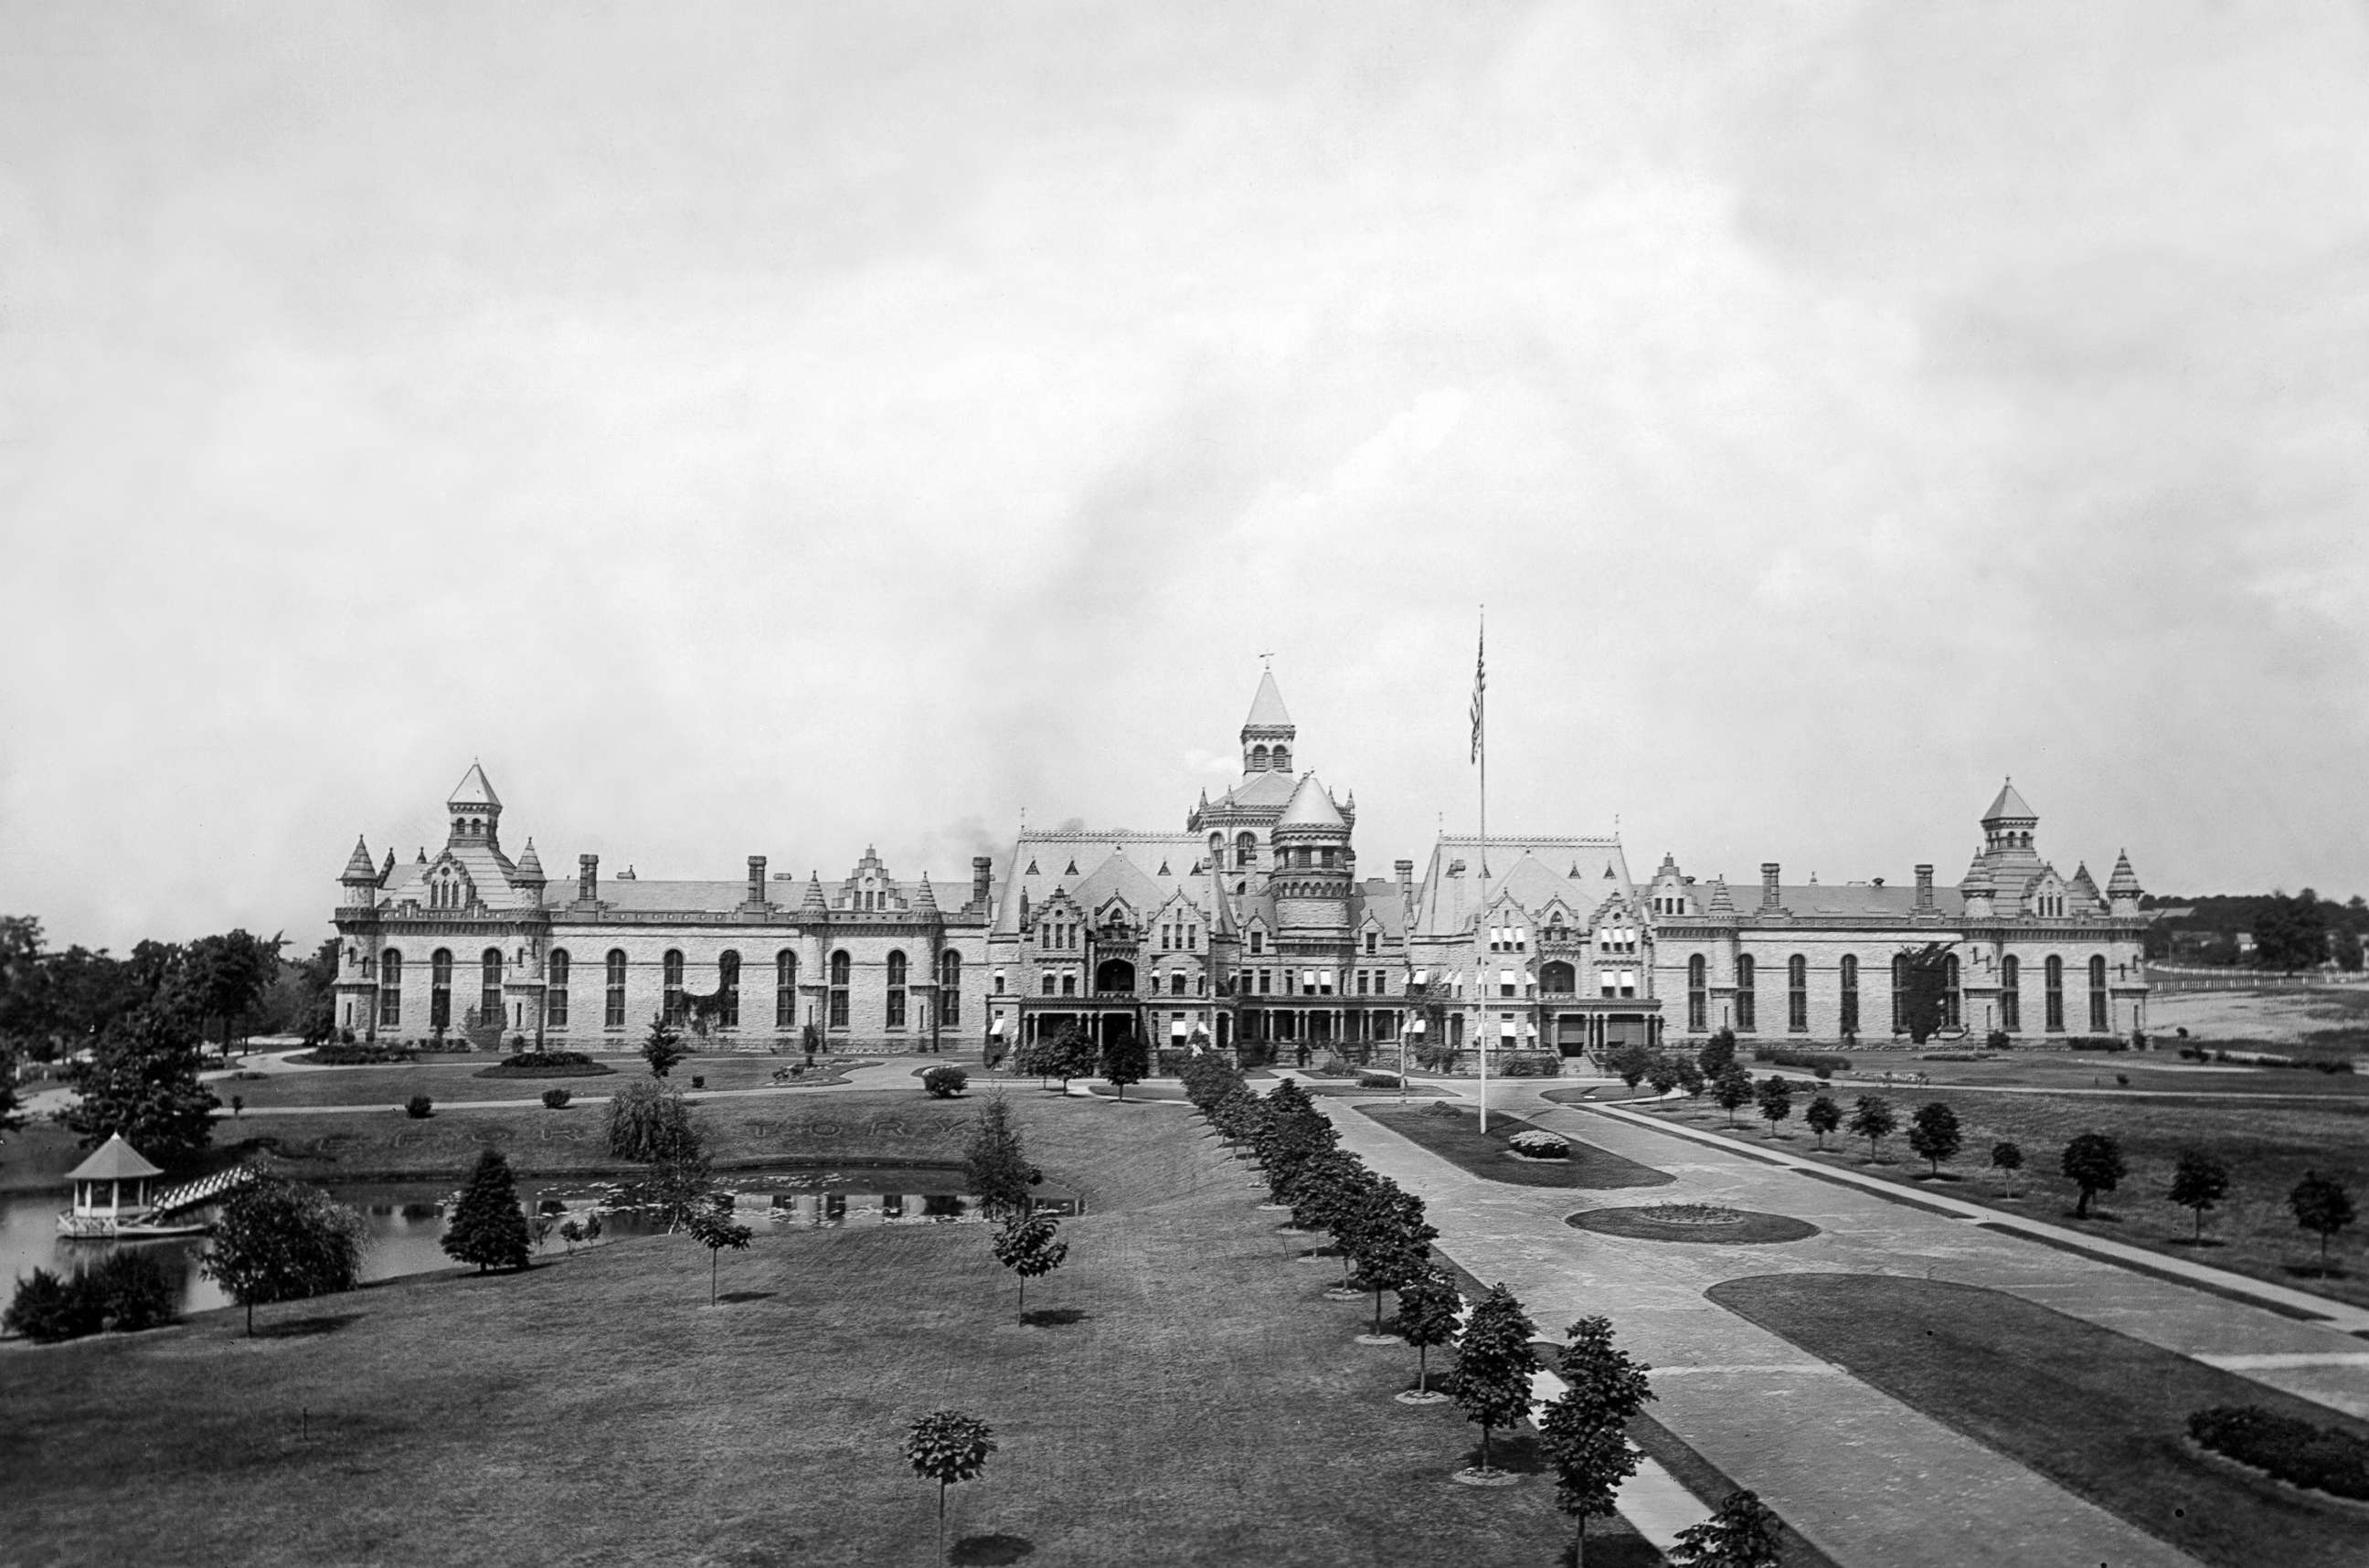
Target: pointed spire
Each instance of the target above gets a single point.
(530, 864)
(924, 898)
(475, 789)
(813, 903)
(2009, 807)
(2124, 883)
(1721, 902)
(1267, 707)
(359, 868)
(1977, 878)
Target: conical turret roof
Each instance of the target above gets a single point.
(530, 864)
(2009, 807)
(1311, 806)
(1978, 876)
(2124, 883)
(924, 898)
(358, 864)
(1267, 707)
(814, 902)
(1722, 902)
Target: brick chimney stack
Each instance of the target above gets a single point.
(1769, 896)
(982, 873)
(1923, 889)
(588, 878)
(755, 880)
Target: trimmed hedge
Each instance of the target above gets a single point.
(545, 1064)
(2324, 1458)
(355, 1055)
(1808, 1061)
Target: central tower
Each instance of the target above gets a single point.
(1268, 733)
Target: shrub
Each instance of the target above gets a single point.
(943, 1083)
(1378, 1080)
(2321, 1457)
(1997, 1040)
(419, 1107)
(1808, 1061)
(1539, 1144)
(648, 1122)
(47, 1308)
(1530, 1064)
(2088, 1043)
(547, 1059)
(557, 1099)
(334, 1055)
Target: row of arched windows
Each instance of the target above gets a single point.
(1797, 994)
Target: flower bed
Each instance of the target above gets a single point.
(1537, 1144)
(545, 1064)
(2324, 1458)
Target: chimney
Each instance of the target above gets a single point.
(756, 880)
(588, 878)
(982, 871)
(1923, 889)
(1405, 868)
(1769, 894)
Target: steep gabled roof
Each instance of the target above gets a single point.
(474, 789)
(2009, 806)
(1267, 708)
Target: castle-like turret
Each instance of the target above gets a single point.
(1314, 866)
(476, 811)
(1268, 735)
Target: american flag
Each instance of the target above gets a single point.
(1480, 684)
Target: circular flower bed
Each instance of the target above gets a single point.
(1702, 1222)
(1536, 1144)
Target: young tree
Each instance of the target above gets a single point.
(946, 1445)
(2199, 1182)
(276, 1241)
(647, 1121)
(1742, 1534)
(810, 1039)
(1030, 1245)
(487, 1227)
(2094, 1164)
(1075, 1056)
(1933, 1133)
(681, 1183)
(1586, 1430)
(1386, 1235)
(1427, 1308)
(1731, 1089)
(1125, 1060)
(663, 1047)
(1716, 1053)
(1823, 1115)
(1775, 1096)
(2321, 1204)
(1690, 1076)
(1663, 1075)
(1492, 1379)
(1872, 1119)
(1325, 1186)
(713, 1228)
(2007, 1158)
(1632, 1063)
(995, 1166)
(1925, 992)
(141, 1081)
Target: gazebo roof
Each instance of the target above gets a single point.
(113, 1160)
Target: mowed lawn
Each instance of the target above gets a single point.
(2101, 1413)
(448, 1079)
(2268, 1146)
(1192, 1399)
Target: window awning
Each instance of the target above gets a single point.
(1177, 1030)
(1419, 1027)
(1308, 980)
(1505, 1030)
(1507, 978)
(998, 1026)
(1422, 977)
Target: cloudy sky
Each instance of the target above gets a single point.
(774, 429)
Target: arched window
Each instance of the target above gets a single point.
(1245, 850)
(1850, 994)
(1899, 990)
(390, 988)
(440, 989)
(2011, 994)
(728, 983)
(1258, 759)
(950, 987)
(2100, 1009)
(612, 1005)
(555, 990)
(1558, 978)
(1952, 1000)
(1280, 759)
(896, 991)
(1797, 994)
(1697, 994)
(1747, 1004)
(670, 972)
(840, 965)
(2053, 974)
(786, 990)
(489, 988)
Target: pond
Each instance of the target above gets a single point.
(406, 1221)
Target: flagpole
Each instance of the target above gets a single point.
(1480, 754)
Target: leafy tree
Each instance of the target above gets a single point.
(1873, 1120)
(2344, 947)
(1775, 1096)
(2321, 1206)
(995, 1166)
(1933, 1133)
(2008, 1159)
(278, 1241)
(2291, 932)
(141, 1081)
(2199, 1182)
(1074, 1056)
(1585, 1429)
(649, 1121)
(1492, 1379)
(713, 1228)
(946, 1445)
(225, 977)
(1427, 1308)
(1742, 1534)
(1030, 1245)
(2094, 1164)
(12, 1116)
(1632, 1063)
(1290, 1131)
(1716, 1053)
(681, 1183)
(1664, 1075)
(1731, 1089)
(663, 1047)
(1325, 1186)
(1925, 990)
(810, 1039)
(1690, 1076)
(1386, 1235)
(487, 1227)
(1823, 1115)
(944, 1082)
(1125, 1060)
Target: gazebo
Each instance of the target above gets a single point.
(113, 1185)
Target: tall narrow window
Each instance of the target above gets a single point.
(896, 991)
(1850, 994)
(950, 987)
(1952, 1000)
(489, 988)
(1245, 850)
(440, 989)
(555, 990)
(390, 988)
(2011, 995)
(1797, 994)
(612, 1005)
(840, 964)
(1899, 990)
(786, 990)
(2100, 1015)
(1747, 1005)
(2054, 977)
(1697, 994)
(728, 983)
(670, 972)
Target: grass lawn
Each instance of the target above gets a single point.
(1189, 1397)
(1454, 1134)
(2268, 1146)
(449, 1081)
(2101, 1413)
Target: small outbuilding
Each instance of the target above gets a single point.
(116, 1182)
